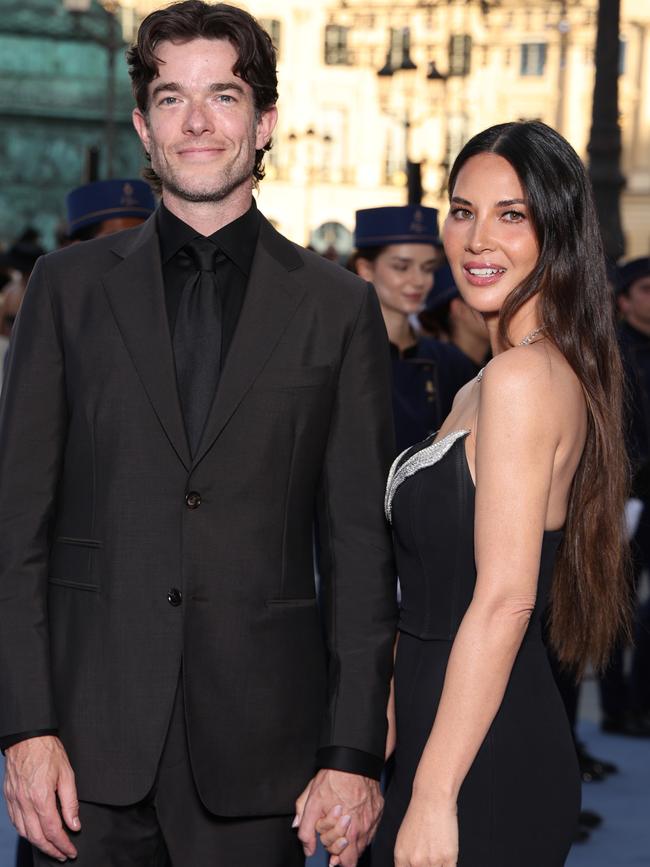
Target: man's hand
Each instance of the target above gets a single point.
(37, 770)
(358, 797)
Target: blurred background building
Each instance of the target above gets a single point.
(372, 93)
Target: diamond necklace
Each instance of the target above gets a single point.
(525, 342)
(528, 338)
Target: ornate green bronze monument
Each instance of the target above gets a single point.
(64, 94)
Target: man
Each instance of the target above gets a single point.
(182, 398)
(104, 207)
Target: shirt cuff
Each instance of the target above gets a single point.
(9, 740)
(350, 760)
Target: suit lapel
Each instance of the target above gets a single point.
(136, 296)
(272, 296)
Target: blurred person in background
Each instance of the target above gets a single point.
(104, 207)
(625, 696)
(447, 317)
(16, 265)
(396, 251)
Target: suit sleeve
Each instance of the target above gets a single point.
(33, 424)
(358, 582)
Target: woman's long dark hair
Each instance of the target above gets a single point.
(590, 595)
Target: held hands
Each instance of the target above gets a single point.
(37, 770)
(428, 836)
(347, 806)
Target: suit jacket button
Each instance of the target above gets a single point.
(193, 500)
(174, 597)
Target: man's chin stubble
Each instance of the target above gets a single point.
(207, 194)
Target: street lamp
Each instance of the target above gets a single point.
(313, 168)
(402, 73)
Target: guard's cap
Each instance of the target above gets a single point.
(631, 272)
(406, 224)
(105, 200)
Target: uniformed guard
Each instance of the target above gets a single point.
(103, 207)
(396, 251)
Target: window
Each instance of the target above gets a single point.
(400, 48)
(336, 45)
(460, 55)
(533, 58)
(622, 55)
(273, 27)
(457, 128)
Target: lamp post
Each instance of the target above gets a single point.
(605, 139)
(310, 138)
(403, 71)
(112, 42)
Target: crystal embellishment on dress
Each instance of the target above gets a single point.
(425, 457)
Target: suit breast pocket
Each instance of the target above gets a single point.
(73, 563)
(290, 378)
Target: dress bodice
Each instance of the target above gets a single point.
(430, 500)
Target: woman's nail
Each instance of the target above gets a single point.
(343, 843)
(296, 821)
(345, 821)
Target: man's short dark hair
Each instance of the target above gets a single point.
(194, 19)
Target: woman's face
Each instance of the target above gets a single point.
(488, 235)
(402, 275)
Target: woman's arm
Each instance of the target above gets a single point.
(516, 442)
(391, 736)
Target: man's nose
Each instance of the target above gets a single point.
(198, 120)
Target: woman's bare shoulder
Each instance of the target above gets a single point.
(531, 381)
(540, 366)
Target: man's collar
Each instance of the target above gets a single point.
(237, 239)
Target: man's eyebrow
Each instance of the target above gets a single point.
(217, 87)
(166, 85)
(220, 86)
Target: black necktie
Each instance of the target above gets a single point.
(197, 337)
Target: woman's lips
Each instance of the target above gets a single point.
(481, 274)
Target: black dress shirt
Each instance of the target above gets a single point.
(237, 241)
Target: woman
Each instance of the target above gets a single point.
(396, 252)
(516, 502)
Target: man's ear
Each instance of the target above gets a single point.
(141, 127)
(265, 125)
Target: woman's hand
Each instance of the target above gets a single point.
(428, 836)
(332, 830)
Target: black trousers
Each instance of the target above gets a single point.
(172, 828)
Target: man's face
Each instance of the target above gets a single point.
(635, 304)
(201, 128)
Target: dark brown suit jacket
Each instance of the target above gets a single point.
(97, 532)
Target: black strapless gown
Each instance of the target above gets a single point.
(519, 804)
